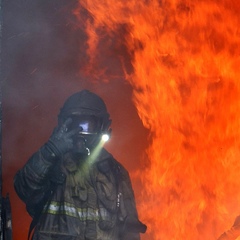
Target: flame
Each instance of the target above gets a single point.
(185, 78)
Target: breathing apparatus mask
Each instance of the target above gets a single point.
(90, 133)
(89, 115)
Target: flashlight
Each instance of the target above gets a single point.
(105, 137)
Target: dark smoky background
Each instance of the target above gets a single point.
(43, 62)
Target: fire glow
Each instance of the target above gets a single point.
(185, 57)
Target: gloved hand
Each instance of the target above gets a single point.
(132, 224)
(61, 140)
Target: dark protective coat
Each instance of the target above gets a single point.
(91, 200)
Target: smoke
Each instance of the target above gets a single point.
(44, 60)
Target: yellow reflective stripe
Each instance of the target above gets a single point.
(70, 210)
(62, 209)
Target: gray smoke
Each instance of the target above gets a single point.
(43, 55)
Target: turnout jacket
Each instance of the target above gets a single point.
(91, 199)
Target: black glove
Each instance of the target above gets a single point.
(61, 140)
(132, 224)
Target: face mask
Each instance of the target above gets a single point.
(85, 124)
(88, 136)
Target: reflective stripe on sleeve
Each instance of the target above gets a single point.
(70, 210)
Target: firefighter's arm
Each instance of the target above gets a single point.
(131, 226)
(34, 176)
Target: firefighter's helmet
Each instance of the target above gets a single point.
(86, 104)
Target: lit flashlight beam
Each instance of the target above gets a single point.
(94, 154)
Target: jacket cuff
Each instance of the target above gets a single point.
(49, 151)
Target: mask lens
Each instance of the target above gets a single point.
(85, 124)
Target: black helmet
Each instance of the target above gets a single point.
(86, 103)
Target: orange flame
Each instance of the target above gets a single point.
(185, 57)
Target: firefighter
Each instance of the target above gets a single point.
(73, 188)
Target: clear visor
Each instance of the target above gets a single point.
(85, 124)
